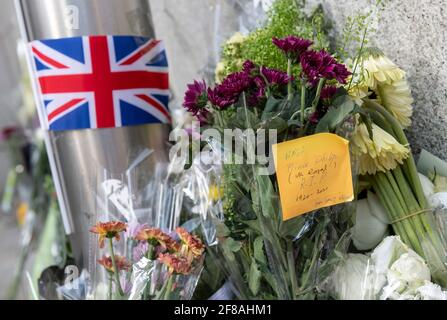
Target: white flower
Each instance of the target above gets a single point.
(438, 200)
(377, 68)
(427, 186)
(431, 291)
(371, 223)
(382, 153)
(405, 276)
(396, 97)
(388, 251)
(356, 279)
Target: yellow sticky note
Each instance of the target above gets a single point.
(313, 172)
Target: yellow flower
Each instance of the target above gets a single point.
(215, 193)
(383, 153)
(237, 38)
(376, 68)
(357, 93)
(220, 72)
(21, 213)
(378, 73)
(397, 99)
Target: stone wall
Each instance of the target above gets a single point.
(413, 33)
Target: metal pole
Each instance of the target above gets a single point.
(78, 157)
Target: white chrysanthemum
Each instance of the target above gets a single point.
(396, 97)
(220, 72)
(357, 93)
(356, 279)
(376, 69)
(237, 38)
(382, 153)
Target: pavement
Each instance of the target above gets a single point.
(9, 252)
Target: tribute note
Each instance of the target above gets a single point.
(313, 172)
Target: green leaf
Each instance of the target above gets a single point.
(291, 228)
(234, 246)
(267, 200)
(275, 122)
(254, 224)
(270, 106)
(336, 115)
(294, 122)
(254, 277)
(243, 207)
(229, 247)
(222, 230)
(258, 249)
(245, 119)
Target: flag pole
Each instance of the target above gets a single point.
(52, 157)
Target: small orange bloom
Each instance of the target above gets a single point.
(175, 263)
(108, 230)
(193, 244)
(121, 263)
(157, 237)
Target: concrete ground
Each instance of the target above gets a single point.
(9, 252)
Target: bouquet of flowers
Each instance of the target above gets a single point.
(156, 266)
(263, 256)
(386, 161)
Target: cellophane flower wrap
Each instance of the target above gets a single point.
(262, 256)
(141, 246)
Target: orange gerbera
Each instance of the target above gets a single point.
(156, 237)
(121, 263)
(108, 230)
(176, 264)
(193, 244)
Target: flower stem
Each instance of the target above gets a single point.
(411, 166)
(169, 288)
(303, 101)
(115, 269)
(386, 201)
(149, 255)
(291, 267)
(110, 287)
(318, 94)
(289, 85)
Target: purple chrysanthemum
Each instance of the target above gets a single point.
(248, 66)
(292, 46)
(341, 73)
(219, 98)
(321, 64)
(328, 92)
(228, 92)
(195, 97)
(274, 76)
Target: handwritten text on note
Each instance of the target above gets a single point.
(313, 172)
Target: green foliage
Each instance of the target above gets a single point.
(286, 17)
(358, 29)
(344, 106)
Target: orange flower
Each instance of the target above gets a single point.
(193, 244)
(108, 230)
(175, 263)
(121, 263)
(157, 237)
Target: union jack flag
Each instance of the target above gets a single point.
(101, 81)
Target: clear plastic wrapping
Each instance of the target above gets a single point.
(137, 221)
